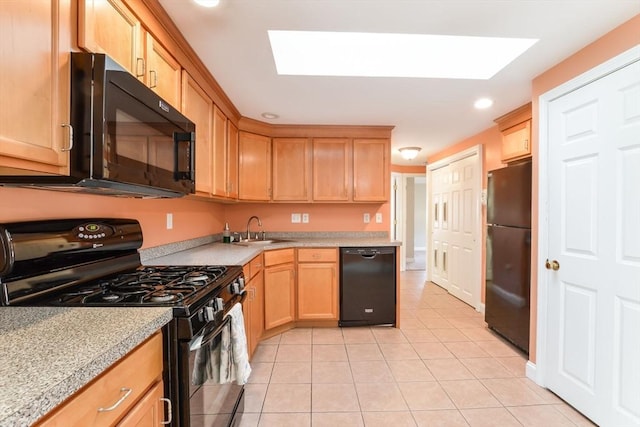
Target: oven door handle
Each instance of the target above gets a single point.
(207, 336)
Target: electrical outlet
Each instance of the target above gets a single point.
(305, 218)
(169, 221)
(379, 218)
(295, 218)
(367, 218)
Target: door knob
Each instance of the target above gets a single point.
(552, 265)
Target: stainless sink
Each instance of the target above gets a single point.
(258, 242)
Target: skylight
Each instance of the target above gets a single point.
(320, 53)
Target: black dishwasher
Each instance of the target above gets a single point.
(367, 286)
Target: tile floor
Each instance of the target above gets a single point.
(443, 367)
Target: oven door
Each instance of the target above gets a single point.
(211, 404)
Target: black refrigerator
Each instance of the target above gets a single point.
(508, 261)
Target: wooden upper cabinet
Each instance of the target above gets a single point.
(371, 170)
(219, 153)
(162, 72)
(232, 160)
(331, 170)
(34, 83)
(291, 169)
(108, 26)
(254, 167)
(515, 127)
(198, 107)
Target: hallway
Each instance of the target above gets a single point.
(443, 367)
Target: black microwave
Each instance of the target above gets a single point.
(127, 141)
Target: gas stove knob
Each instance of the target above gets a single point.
(218, 305)
(241, 281)
(209, 314)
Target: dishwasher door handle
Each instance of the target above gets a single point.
(369, 256)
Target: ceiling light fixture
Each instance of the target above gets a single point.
(270, 116)
(483, 103)
(327, 53)
(208, 3)
(409, 153)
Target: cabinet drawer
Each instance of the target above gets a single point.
(137, 372)
(279, 256)
(256, 265)
(317, 255)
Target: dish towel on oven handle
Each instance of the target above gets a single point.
(234, 357)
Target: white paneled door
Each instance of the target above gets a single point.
(592, 338)
(463, 225)
(454, 212)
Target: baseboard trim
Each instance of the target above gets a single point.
(480, 308)
(531, 371)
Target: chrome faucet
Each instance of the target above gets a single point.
(249, 223)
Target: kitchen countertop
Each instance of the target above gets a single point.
(235, 254)
(48, 353)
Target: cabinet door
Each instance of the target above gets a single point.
(257, 309)
(279, 297)
(163, 72)
(34, 83)
(108, 26)
(291, 164)
(331, 169)
(516, 142)
(219, 153)
(318, 291)
(149, 411)
(371, 178)
(198, 107)
(254, 171)
(232, 160)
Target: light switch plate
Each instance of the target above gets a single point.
(367, 218)
(379, 218)
(169, 221)
(295, 218)
(305, 218)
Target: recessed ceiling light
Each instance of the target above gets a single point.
(483, 103)
(207, 3)
(321, 53)
(270, 116)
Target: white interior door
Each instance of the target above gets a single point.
(592, 339)
(455, 225)
(464, 214)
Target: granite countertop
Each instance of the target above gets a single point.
(216, 253)
(48, 353)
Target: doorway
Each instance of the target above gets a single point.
(409, 222)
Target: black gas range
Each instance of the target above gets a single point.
(95, 262)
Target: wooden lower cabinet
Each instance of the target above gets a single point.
(135, 381)
(279, 287)
(149, 411)
(253, 307)
(317, 284)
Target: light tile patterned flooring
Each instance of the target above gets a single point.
(443, 367)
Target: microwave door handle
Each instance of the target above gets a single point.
(190, 138)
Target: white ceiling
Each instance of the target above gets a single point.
(232, 42)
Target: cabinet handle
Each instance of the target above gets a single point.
(444, 211)
(435, 258)
(526, 144)
(444, 261)
(154, 79)
(435, 211)
(140, 64)
(127, 392)
(169, 410)
(67, 125)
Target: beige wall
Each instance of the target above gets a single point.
(613, 43)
